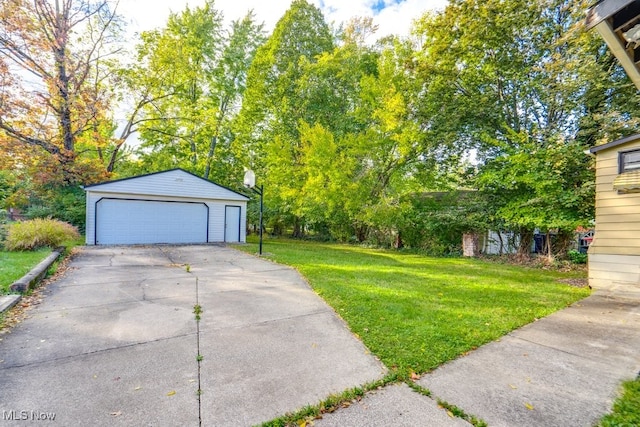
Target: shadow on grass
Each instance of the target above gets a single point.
(416, 312)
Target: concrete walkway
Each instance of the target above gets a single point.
(114, 343)
(564, 370)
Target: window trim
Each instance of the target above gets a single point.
(621, 155)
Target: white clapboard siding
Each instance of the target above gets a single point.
(174, 183)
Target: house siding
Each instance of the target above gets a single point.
(614, 254)
(617, 215)
(609, 271)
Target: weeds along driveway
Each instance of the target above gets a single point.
(114, 342)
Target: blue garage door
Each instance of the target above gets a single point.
(127, 222)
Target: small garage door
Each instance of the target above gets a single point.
(129, 222)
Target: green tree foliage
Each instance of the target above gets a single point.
(515, 81)
(352, 141)
(276, 102)
(194, 74)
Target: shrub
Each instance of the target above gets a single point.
(37, 233)
(65, 203)
(577, 257)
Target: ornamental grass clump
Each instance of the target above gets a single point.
(38, 233)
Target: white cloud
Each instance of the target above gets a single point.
(394, 18)
(398, 18)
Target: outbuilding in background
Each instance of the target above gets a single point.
(173, 206)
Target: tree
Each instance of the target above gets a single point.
(193, 73)
(510, 78)
(184, 53)
(51, 92)
(274, 102)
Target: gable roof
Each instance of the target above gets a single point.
(613, 144)
(174, 182)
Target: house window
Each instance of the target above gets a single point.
(629, 161)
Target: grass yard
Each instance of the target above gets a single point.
(626, 409)
(415, 312)
(14, 265)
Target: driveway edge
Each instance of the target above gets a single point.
(30, 280)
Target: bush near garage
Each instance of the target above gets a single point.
(38, 233)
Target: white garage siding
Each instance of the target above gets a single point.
(167, 207)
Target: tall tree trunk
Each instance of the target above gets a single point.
(212, 148)
(298, 229)
(524, 246)
(361, 232)
(398, 243)
(563, 242)
(63, 108)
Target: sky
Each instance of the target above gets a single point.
(391, 16)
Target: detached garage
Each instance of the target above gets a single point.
(173, 206)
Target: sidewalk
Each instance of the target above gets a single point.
(563, 370)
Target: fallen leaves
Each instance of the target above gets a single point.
(171, 393)
(529, 406)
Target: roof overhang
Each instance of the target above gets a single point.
(613, 19)
(614, 144)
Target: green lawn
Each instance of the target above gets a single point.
(14, 265)
(626, 409)
(416, 312)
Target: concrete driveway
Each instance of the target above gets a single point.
(114, 342)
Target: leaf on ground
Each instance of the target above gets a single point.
(450, 414)
(529, 406)
(116, 414)
(512, 386)
(171, 393)
(137, 388)
(415, 376)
